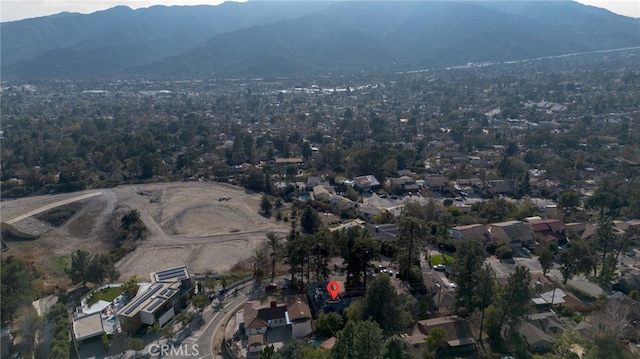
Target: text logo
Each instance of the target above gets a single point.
(182, 350)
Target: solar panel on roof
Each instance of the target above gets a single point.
(171, 273)
(155, 304)
(135, 305)
(164, 292)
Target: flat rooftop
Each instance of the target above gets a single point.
(171, 274)
(88, 326)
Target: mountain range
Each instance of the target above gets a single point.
(291, 38)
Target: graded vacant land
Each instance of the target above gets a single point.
(208, 226)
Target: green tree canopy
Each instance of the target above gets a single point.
(310, 220)
(382, 304)
(328, 325)
(130, 286)
(17, 286)
(78, 271)
(100, 268)
(265, 205)
(546, 260)
(411, 243)
(470, 255)
(274, 245)
(359, 340)
(357, 249)
(396, 348)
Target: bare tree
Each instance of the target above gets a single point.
(612, 319)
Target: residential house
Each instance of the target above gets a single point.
(385, 232)
(629, 226)
(402, 185)
(368, 211)
(366, 183)
(321, 192)
(341, 202)
(551, 298)
(436, 183)
(514, 233)
(157, 304)
(478, 232)
(547, 231)
(497, 187)
(299, 314)
(258, 320)
(440, 290)
(313, 181)
(408, 173)
(580, 230)
(464, 185)
(320, 301)
(539, 331)
(459, 340)
(160, 302)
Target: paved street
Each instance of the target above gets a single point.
(214, 319)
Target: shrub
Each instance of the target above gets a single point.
(566, 312)
(105, 341)
(577, 317)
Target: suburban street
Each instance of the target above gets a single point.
(215, 316)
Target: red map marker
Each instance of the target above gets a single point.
(333, 288)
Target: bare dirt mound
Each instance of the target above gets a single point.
(210, 220)
(207, 226)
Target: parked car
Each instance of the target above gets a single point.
(439, 267)
(271, 286)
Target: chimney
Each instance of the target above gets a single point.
(273, 303)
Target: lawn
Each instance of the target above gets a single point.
(107, 294)
(61, 265)
(442, 259)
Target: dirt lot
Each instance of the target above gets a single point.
(187, 223)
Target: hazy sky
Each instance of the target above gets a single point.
(21, 9)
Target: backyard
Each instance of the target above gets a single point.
(107, 294)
